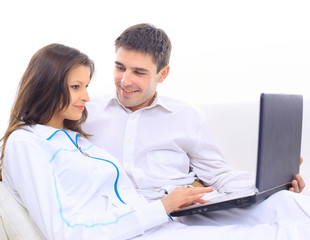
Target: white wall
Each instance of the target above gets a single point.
(223, 51)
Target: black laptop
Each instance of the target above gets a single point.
(278, 160)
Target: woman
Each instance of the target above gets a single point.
(71, 188)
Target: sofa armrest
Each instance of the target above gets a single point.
(15, 220)
(3, 235)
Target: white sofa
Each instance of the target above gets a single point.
(235, 126)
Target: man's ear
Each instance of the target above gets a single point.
(163, 73)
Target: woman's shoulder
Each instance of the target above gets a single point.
(26, 133)
(21, 139)
(21, 133)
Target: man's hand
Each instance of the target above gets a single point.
(298, 184)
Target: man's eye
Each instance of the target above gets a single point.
(140, 73)
(120, 68)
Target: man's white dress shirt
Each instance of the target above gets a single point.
(169, 144)
(162, 146)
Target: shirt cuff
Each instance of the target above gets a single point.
(152, 214)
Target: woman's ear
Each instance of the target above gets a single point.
(163, 73)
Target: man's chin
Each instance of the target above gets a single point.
(125, 101)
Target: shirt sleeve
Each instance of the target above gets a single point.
(31, 179)
(210, 166)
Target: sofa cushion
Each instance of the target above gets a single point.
(15, 218)
(3, 235)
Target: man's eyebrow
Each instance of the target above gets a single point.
(134, 68)
(118, 63)
(141, 69)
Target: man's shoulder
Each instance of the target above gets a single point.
(178, 105)
(99, 101)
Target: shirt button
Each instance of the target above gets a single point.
(140, 179)
(129, 140)
(128, 166)
(133, 117)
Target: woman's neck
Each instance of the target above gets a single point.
(55, 123)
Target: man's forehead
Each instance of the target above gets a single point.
(134, 59)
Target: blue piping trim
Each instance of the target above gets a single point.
(76, 138)
(56, 189)
(60, 149)
(61, 130)
(101, 159)
(117, 177)
(83, 224)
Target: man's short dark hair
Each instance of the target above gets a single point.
(146, 38)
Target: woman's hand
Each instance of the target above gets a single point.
(182, 197)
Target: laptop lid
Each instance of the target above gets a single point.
(280, 129)
(279, 143)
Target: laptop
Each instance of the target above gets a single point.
(278, 158)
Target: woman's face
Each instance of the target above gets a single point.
(78, 80)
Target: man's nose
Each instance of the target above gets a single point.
(126, 79)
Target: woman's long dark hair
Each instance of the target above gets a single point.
(43, 89)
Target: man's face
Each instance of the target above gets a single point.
(136, 78)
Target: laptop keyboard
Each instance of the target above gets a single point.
(215, 196)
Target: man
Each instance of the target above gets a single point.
(161, 142)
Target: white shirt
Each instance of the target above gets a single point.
(162, 146)
(71, 195)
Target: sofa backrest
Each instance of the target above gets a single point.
(235, 127)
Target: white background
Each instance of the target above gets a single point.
(223, 51)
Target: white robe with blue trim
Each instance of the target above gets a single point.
(70, 195)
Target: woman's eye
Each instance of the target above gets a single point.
(75, 86)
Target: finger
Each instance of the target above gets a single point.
(181, 188)
(210, 189)
(300, 181)
(189, 200)
(301, 160)
(199, 190)
(202, 201)
(295, 187)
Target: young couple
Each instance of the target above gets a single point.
(119, 173)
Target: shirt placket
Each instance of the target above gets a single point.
(136, 174)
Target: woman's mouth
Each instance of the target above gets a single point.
(81, 108)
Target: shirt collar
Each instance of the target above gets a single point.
(158, 102)
(45, 131)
